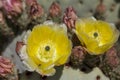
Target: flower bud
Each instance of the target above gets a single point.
(55, 9)
(5, 66)
(70, 17)
(112, 58)
(12, 7)
(35, 10)
(77, 56)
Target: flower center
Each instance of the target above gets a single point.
(95, 34)
(47, 48)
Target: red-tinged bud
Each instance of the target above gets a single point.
(35, 10)
(111, 57)
(5, 66)
(19, 46)
(55, 10)
(70, 17)
(101, 8)
(12, 7)
(77, 56)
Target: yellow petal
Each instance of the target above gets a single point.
(97, 36)
(48, 45)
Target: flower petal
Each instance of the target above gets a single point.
(97, 36)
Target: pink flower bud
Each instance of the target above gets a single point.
(111, 57)
(55, 9)
(77, 56)
(12, 7)
(101, 8)
(35, 10)
(5, 66)
(70, 17)
(79, 52)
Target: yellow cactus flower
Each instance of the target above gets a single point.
(97, 36)
(47, 45)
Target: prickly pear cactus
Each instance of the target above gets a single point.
(18, 16)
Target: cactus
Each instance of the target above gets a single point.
(17, 16)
